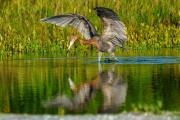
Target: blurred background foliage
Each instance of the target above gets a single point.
(150, 24)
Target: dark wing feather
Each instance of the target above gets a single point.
(114, 29)
(78, 21)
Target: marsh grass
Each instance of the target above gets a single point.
(150, 24)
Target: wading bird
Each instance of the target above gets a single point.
(114, 33)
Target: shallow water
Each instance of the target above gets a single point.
(80, 85)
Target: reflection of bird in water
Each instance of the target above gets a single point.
(114, 90)
(81, 96)
(111, 84)
(114, 33)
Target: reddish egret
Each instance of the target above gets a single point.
(114, 33)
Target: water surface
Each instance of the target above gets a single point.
(79, 85)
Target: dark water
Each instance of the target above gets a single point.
(80, 85)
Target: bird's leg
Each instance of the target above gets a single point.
(99, 56)
(99, 61)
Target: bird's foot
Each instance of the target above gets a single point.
(99, 61)
(108, 60)
(116, 59)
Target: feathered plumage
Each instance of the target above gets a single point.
(78, 21)
(114, 33)
(114, 29)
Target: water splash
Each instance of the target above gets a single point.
(142, 60)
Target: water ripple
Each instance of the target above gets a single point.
(143, 60)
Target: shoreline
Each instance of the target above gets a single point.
(122, 116)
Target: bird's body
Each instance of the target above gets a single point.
(114, 33)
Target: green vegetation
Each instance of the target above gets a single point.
(150, 24)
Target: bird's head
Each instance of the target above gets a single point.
(71, 41)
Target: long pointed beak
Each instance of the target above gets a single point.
(70, 44)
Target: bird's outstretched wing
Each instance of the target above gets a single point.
(114, 29)
(78, 21)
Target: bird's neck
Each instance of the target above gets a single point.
(93, 42)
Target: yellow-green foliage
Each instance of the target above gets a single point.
(150, 23)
